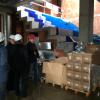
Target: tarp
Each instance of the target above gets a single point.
(54, 21)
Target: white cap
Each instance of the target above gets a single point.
(18, 37)
(1, 37)
(12, 37)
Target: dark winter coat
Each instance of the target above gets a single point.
(32, 51)
(21, 58)
(10, 51)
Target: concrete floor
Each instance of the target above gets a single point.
(48, 92)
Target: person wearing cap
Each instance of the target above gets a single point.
(21, 67)
(11, 73)
(33, 55)
(3, 67)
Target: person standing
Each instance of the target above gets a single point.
(3, 67)
(33, 56)
(11, 73)
(21, 67)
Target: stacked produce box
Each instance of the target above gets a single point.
(51, 36)
(55, 71)
(58, 38)
(78, 72)
(67, 46)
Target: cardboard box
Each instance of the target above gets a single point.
(77, 76)
(55, 72)
(95, 51)
(86, 77)
(77, 57)
(61, 38)
(77, 85)
(69, 83)
(87, 58)
(62, 60)
(77, 67)
(70, 56)
(86, 87)
(69, 66)
(86, 68)
(69, 74)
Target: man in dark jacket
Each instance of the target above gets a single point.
(3, 67)
(11, 73)
(21, 67)
(33, 55)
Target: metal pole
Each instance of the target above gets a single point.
(5, 26)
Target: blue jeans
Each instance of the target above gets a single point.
(3, 82)
(3, 71)
(34, 72)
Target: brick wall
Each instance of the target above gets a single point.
(70, 10)
(97, 17)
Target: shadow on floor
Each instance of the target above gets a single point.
(48, 92)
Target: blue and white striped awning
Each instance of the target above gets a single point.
(48, 20)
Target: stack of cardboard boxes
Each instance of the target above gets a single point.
(78, 74)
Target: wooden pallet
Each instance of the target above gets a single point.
(78, 91)
(53, 84)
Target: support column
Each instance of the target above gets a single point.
(86, 20)
(5, 26)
